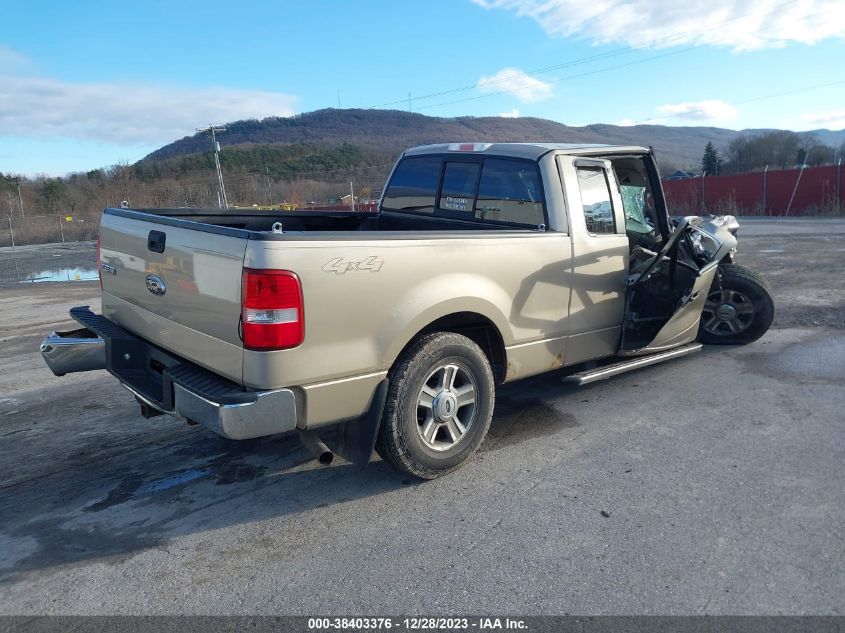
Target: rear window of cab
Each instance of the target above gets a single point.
(489, 190)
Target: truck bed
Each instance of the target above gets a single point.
(217, 220)
(352, 268)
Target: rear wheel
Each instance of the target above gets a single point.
(739, 308)
(438, 407)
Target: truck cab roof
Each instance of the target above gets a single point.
(532, 151)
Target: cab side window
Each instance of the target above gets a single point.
(596, 200)
(413, 186)
(509, 191)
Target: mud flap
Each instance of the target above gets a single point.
(356, 439)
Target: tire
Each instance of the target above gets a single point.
(739, 307)
(428, 406)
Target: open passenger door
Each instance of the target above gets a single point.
(667, 291)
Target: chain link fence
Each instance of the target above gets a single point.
(47, 229)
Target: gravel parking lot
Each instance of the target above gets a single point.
(713, 484)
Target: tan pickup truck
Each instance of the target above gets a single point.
(485, 264)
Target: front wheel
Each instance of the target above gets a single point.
(739, 307)
(439, 406)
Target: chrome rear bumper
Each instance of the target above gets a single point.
(272, 412)
(69, 352)
(178, 388)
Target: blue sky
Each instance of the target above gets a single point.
(88, 84)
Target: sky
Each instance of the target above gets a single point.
(90, 84)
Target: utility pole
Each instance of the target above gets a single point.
(269, 193)
(338, 100)
(20, 198)
(409, 102)
(352, 195)
(211, 130)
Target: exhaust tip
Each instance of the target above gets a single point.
(316, 447)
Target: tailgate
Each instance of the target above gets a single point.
(185, 299)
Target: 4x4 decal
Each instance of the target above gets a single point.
(339, 265)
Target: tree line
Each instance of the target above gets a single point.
(253, 174)
(776, 149)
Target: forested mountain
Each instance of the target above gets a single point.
(318, 156)
(384, 133)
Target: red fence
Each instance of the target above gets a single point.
(818, 190)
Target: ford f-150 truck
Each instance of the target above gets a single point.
(485, 264)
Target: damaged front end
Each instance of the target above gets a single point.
(722, 247)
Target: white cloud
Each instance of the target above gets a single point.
(513, 114)
(626, 122)
(832, 120)
(124, 113)
(708, 110)
(513, 80)
(12, 61)
(738, 24)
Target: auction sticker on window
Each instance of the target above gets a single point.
(456, 204)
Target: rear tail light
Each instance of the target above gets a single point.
(272, 311)
(99, 263)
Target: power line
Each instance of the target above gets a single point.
(531, 73)
(559, 79)
(508, 78)
(661, 42)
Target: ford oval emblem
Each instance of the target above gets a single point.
(156, 285)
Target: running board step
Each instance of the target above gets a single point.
(600, 373)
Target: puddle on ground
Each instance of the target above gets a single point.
(62, 274)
